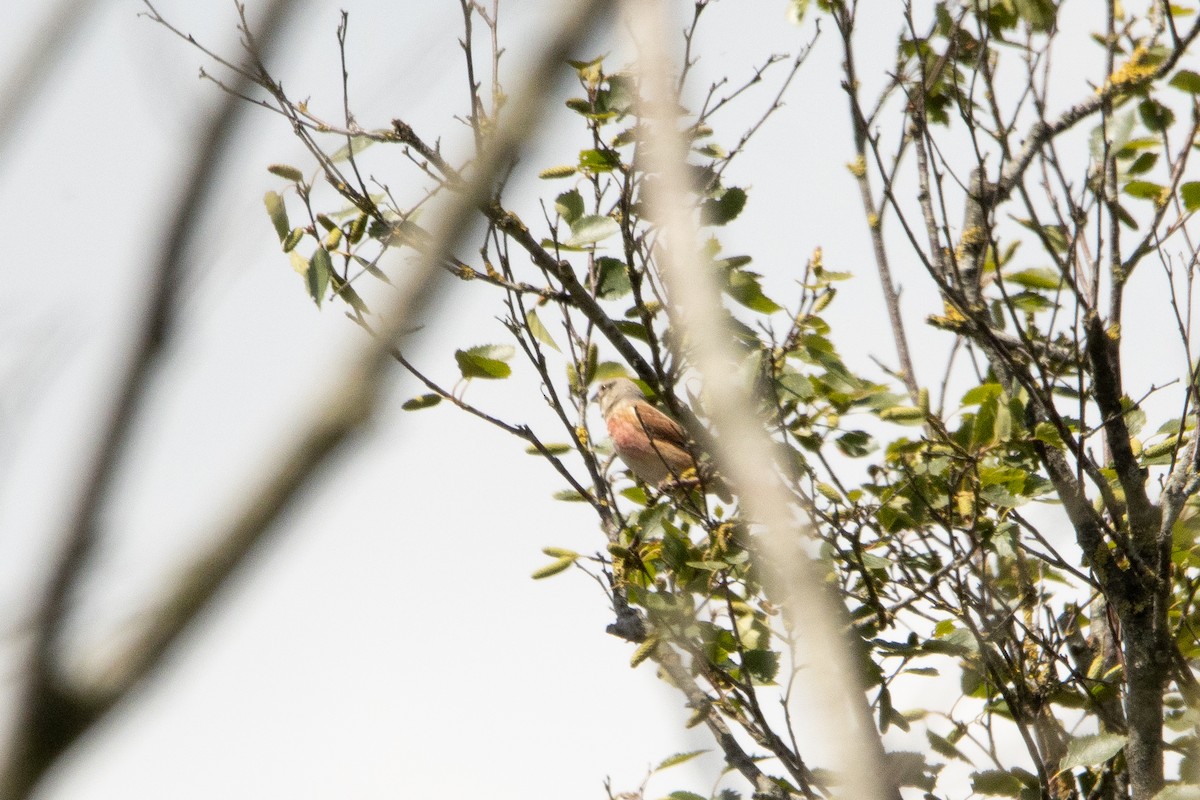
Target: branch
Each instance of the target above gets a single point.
(1042, 132)
(511, 225)
(891, 295)
(735, 755)
(743, 448)
(53, 713)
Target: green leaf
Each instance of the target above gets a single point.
(1124, 216)
(1046, 432)
(613, 282)
(635, 494)
(762, 665)
(299, 263)
(1054, 235)
(957, 642)
(1187, 81)
(1029, 301)
(485, 361)
(1001, 497)
(609, 369)
(286, 172)
(278, 214)
(550, 244)
(628, 136)
(1118, 131)
(569, 206)
(996, 782)
(422, 401)
(743, 287)
(708, 566)
(1190, 193)
(591, 229)
(1035, 278)
(733, 262)
(943, 746)
(1038, 13)
(723, 209)
(634, 330)
(538, 330)
(907, 768)
(1143, 164)
(1155, 115)
(347, 294)
(712, 150)
(855, 443)
(586, 67)
(569, 496)
(319, 268)
(678, 758)
(794, 384)
(796, 10)
(1088, 751)
(579, 105)
(681, 794)
(1145, 190)
(599, 160)
(357, 145)
(930, 672)
(1135, 418)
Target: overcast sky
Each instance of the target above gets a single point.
(389, 641)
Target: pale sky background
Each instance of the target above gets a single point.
(388, 642)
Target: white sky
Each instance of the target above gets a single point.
(388, 642)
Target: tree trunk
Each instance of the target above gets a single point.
(1146, 672)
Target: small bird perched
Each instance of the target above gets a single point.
(652, 445)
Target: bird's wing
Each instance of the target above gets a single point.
(659, 426)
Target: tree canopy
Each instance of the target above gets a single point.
(1011, 520)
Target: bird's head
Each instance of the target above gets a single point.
(614, 391)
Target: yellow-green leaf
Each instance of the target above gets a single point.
(591, 229)
(319, 269)
(1046, 432)
(678, 758)
(278, 214)
(1088, 751)
(1190, 193)
(485, 361)
(422, 401)
(356, 145)
(1187, 81)
(538, 330)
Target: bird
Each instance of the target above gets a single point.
(653, 446)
